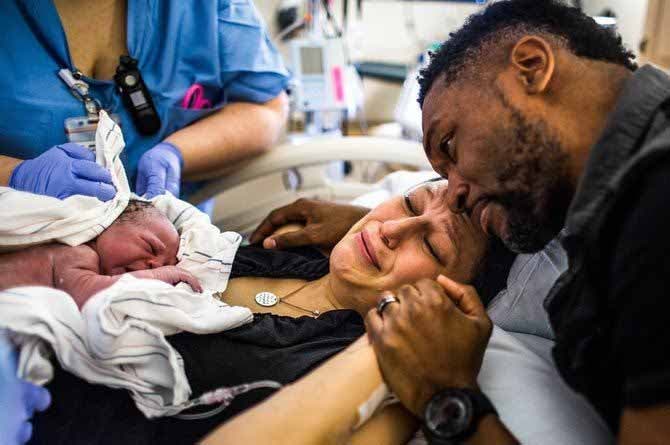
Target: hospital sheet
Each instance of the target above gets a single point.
(118, 339)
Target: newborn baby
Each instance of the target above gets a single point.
(142, 242)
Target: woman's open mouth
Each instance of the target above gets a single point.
(364, 245)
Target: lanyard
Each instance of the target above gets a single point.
(79, 89)
(31, 10)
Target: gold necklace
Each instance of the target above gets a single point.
(269, 299)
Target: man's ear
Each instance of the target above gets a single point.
(533, 59)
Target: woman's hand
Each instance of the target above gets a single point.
(62, 171)
(325, 223)
(159, 170)
(171, 275)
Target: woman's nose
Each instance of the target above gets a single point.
(395, 231)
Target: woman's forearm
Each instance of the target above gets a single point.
(7, 165)
(237, 132)
(321, 408)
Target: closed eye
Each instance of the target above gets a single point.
(151, 248)
(412, 212)
(448, 149)
(408, 204)
(432, 251)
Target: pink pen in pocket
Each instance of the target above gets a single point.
(194, 99)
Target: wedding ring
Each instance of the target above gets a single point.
(385, 301)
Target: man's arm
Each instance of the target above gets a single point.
(237, 132)
(324, 224)
(434, 338)
(645, 426)
(639, 271)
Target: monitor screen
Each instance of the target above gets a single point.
(311, 58)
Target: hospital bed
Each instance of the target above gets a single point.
(296, 170)
(518, 371)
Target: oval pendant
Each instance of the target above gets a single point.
(266, 299)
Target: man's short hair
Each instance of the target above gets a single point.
(501, 21)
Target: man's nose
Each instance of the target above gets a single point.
(395, 231)
(457, 194)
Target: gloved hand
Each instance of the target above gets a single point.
(18, 399)
(159, 170)
(62, 171)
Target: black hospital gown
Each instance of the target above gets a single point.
(271, 347)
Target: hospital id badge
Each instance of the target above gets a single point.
(81, 129)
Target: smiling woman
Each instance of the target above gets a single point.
(403, 240)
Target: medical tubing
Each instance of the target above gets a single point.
(224, 396)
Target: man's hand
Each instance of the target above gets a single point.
(325, 224)
(433, 338)
(171, 275)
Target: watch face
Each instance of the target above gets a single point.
(449, 415)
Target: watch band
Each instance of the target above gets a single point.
(475, 400)
(482, 404)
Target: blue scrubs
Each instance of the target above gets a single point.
(221, 45)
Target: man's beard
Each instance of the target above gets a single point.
(536, 189)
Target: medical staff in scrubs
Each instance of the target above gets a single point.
(221, 45)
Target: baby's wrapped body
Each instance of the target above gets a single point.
(142, 242)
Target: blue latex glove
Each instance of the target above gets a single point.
(18, 399)
(62, 171)
(159, 170)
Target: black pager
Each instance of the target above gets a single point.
(136, 97)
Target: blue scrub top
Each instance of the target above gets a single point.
(222, 45)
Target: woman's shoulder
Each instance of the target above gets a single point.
(254, 261)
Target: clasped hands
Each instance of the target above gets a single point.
(433, 338)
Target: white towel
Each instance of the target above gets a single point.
(119, 337)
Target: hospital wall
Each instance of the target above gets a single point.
(386, 34)
(631, 17)
(397, 31)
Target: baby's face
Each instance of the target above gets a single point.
(137, 245)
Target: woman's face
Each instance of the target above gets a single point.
(406, 239)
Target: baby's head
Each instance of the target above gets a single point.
(141, 238)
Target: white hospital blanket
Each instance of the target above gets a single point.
(119, 337)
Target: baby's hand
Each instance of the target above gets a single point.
(171, 275)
